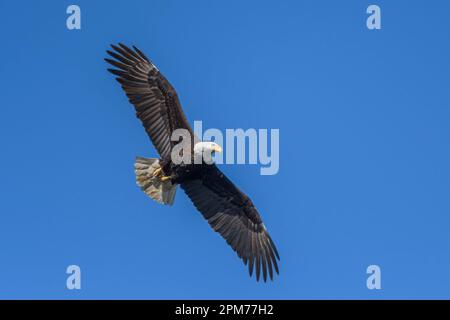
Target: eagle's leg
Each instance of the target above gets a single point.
(157, 172)
(173, 177)
(160, 174)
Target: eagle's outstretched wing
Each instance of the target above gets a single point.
(155, 100)
(231, 213)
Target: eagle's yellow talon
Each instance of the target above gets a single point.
(157, 172)
(165, 178)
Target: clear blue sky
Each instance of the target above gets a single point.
(364, 157)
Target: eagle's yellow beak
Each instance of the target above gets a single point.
(217, 148)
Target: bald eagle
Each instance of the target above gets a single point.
(227, 209)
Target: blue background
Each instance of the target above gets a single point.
(364, 156)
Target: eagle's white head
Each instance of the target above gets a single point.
(205, 149)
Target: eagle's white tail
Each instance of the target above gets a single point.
(161, 191)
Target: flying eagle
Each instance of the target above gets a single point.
(227, 209)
